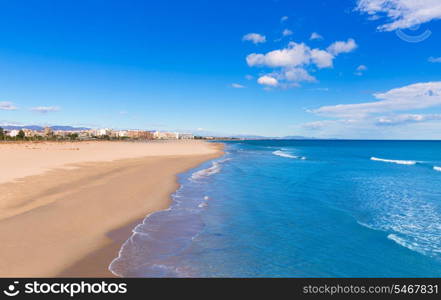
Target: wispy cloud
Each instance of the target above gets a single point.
(406, 118)
(287, 32)
(5, 105)
(237, 86)
(284, 18)
(434, 59)
(267, 80)
(400, 14)
(317, 125)
(321, 89)
(342, 47)
(414, 96)
(10, 123)
(315, 36)
(45, 109)
(255, 38)
(359, 71)
(393, 114)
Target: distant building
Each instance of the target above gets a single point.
(90, 133)
(103, 132)
(13, 133)
(61, 133)
(185, 136)
(30, 132)
(85, 134)
(47, 131)
(166, 135)
(122, 133)
(140, 134)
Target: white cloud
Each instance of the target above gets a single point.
(401, 14)
(267, 80)
(287, 32)
(321, 89)
(256, 38)
(322, 58)
(342, 47)
(297, 75)
(315, 36)
(434, 59)
(5, 105)
(414, 96)
(249, 77)
(45, 109)
(284, 18)
(237, 86)
(391, 116)
(10, 123)
(359, 71)
(317, 125)
(294, 55)
(406, 118)
(361, 68)
(292, 63)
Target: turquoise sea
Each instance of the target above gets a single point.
(298, 208)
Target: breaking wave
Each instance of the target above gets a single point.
(395, 161)
(287, 155)
(215, 168)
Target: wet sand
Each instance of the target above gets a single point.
(70, 218)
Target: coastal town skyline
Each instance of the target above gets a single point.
(276, 68)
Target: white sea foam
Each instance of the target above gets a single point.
(203, 204)
(410, 220)
(215, 168)
(400, 162)
(437, 168)
(366, 225)
(287, 155)
(409, 245)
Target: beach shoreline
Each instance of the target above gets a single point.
(70, 219)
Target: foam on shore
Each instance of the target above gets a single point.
(162, 236)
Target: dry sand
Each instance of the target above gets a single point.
(66, 208)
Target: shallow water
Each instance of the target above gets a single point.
(298, 209)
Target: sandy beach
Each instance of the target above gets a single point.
(66, 208)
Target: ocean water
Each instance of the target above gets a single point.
(298, 209)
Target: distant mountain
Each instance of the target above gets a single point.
(69, 128)
(297, 137)
(251, 137)
(258, 137)
(37, 127)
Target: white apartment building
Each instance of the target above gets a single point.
(122, 133)
(103, 131)
(165, 135)
(185, 136)
(13, 133)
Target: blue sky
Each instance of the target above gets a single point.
(371, 70)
